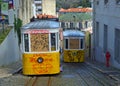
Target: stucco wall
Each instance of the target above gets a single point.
(108, 15)
(9, 49)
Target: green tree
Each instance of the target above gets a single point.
(85, 3)
(67, 3)
(17, 27)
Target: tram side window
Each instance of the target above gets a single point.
(26, 42)
(81, 44)
(57, 38)
(66, 43)
(53, 42)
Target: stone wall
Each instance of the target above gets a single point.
(9, 49)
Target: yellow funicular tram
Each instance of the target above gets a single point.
(40, 47)
(74, 50)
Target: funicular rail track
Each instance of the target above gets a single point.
(90, 76)
(39, 81)
(93, 77)
(74, 74)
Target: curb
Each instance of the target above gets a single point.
(5, 75)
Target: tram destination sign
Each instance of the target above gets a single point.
(36, 31)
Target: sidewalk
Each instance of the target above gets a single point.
(112, 72)
(8, 70)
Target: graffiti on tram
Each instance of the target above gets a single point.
(45, 66)
(74, 55)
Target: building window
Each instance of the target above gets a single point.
(71, 25)
(105, 38)
(62, 24)
(117, 45)
(66, 25)
(86, 24)
(80, 25)
(97, 34)
(97, 2)
(117, 1)
(39, 9)
(105, 1)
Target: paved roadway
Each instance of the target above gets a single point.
(74, 74)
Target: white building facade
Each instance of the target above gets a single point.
(49, 7)
(106, 29)
(21, 9)
(38, 6)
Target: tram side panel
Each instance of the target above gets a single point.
(72, 51)
(43, 63)
(74, 55)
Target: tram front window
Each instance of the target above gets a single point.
(74, 43)
(39, 42)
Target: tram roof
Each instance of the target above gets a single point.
(42, 24)
(73, 33)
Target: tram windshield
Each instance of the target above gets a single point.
(39, 42)
(74, 43)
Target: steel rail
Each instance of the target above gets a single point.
(104, 81)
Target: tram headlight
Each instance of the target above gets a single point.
(40, 60)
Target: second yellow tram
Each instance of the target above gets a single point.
(74, 46)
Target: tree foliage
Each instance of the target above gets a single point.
(85, 3)
(67, 3)
(78, 17)
(72, 3)
(17, 26)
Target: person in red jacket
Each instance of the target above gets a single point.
(107, 58)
